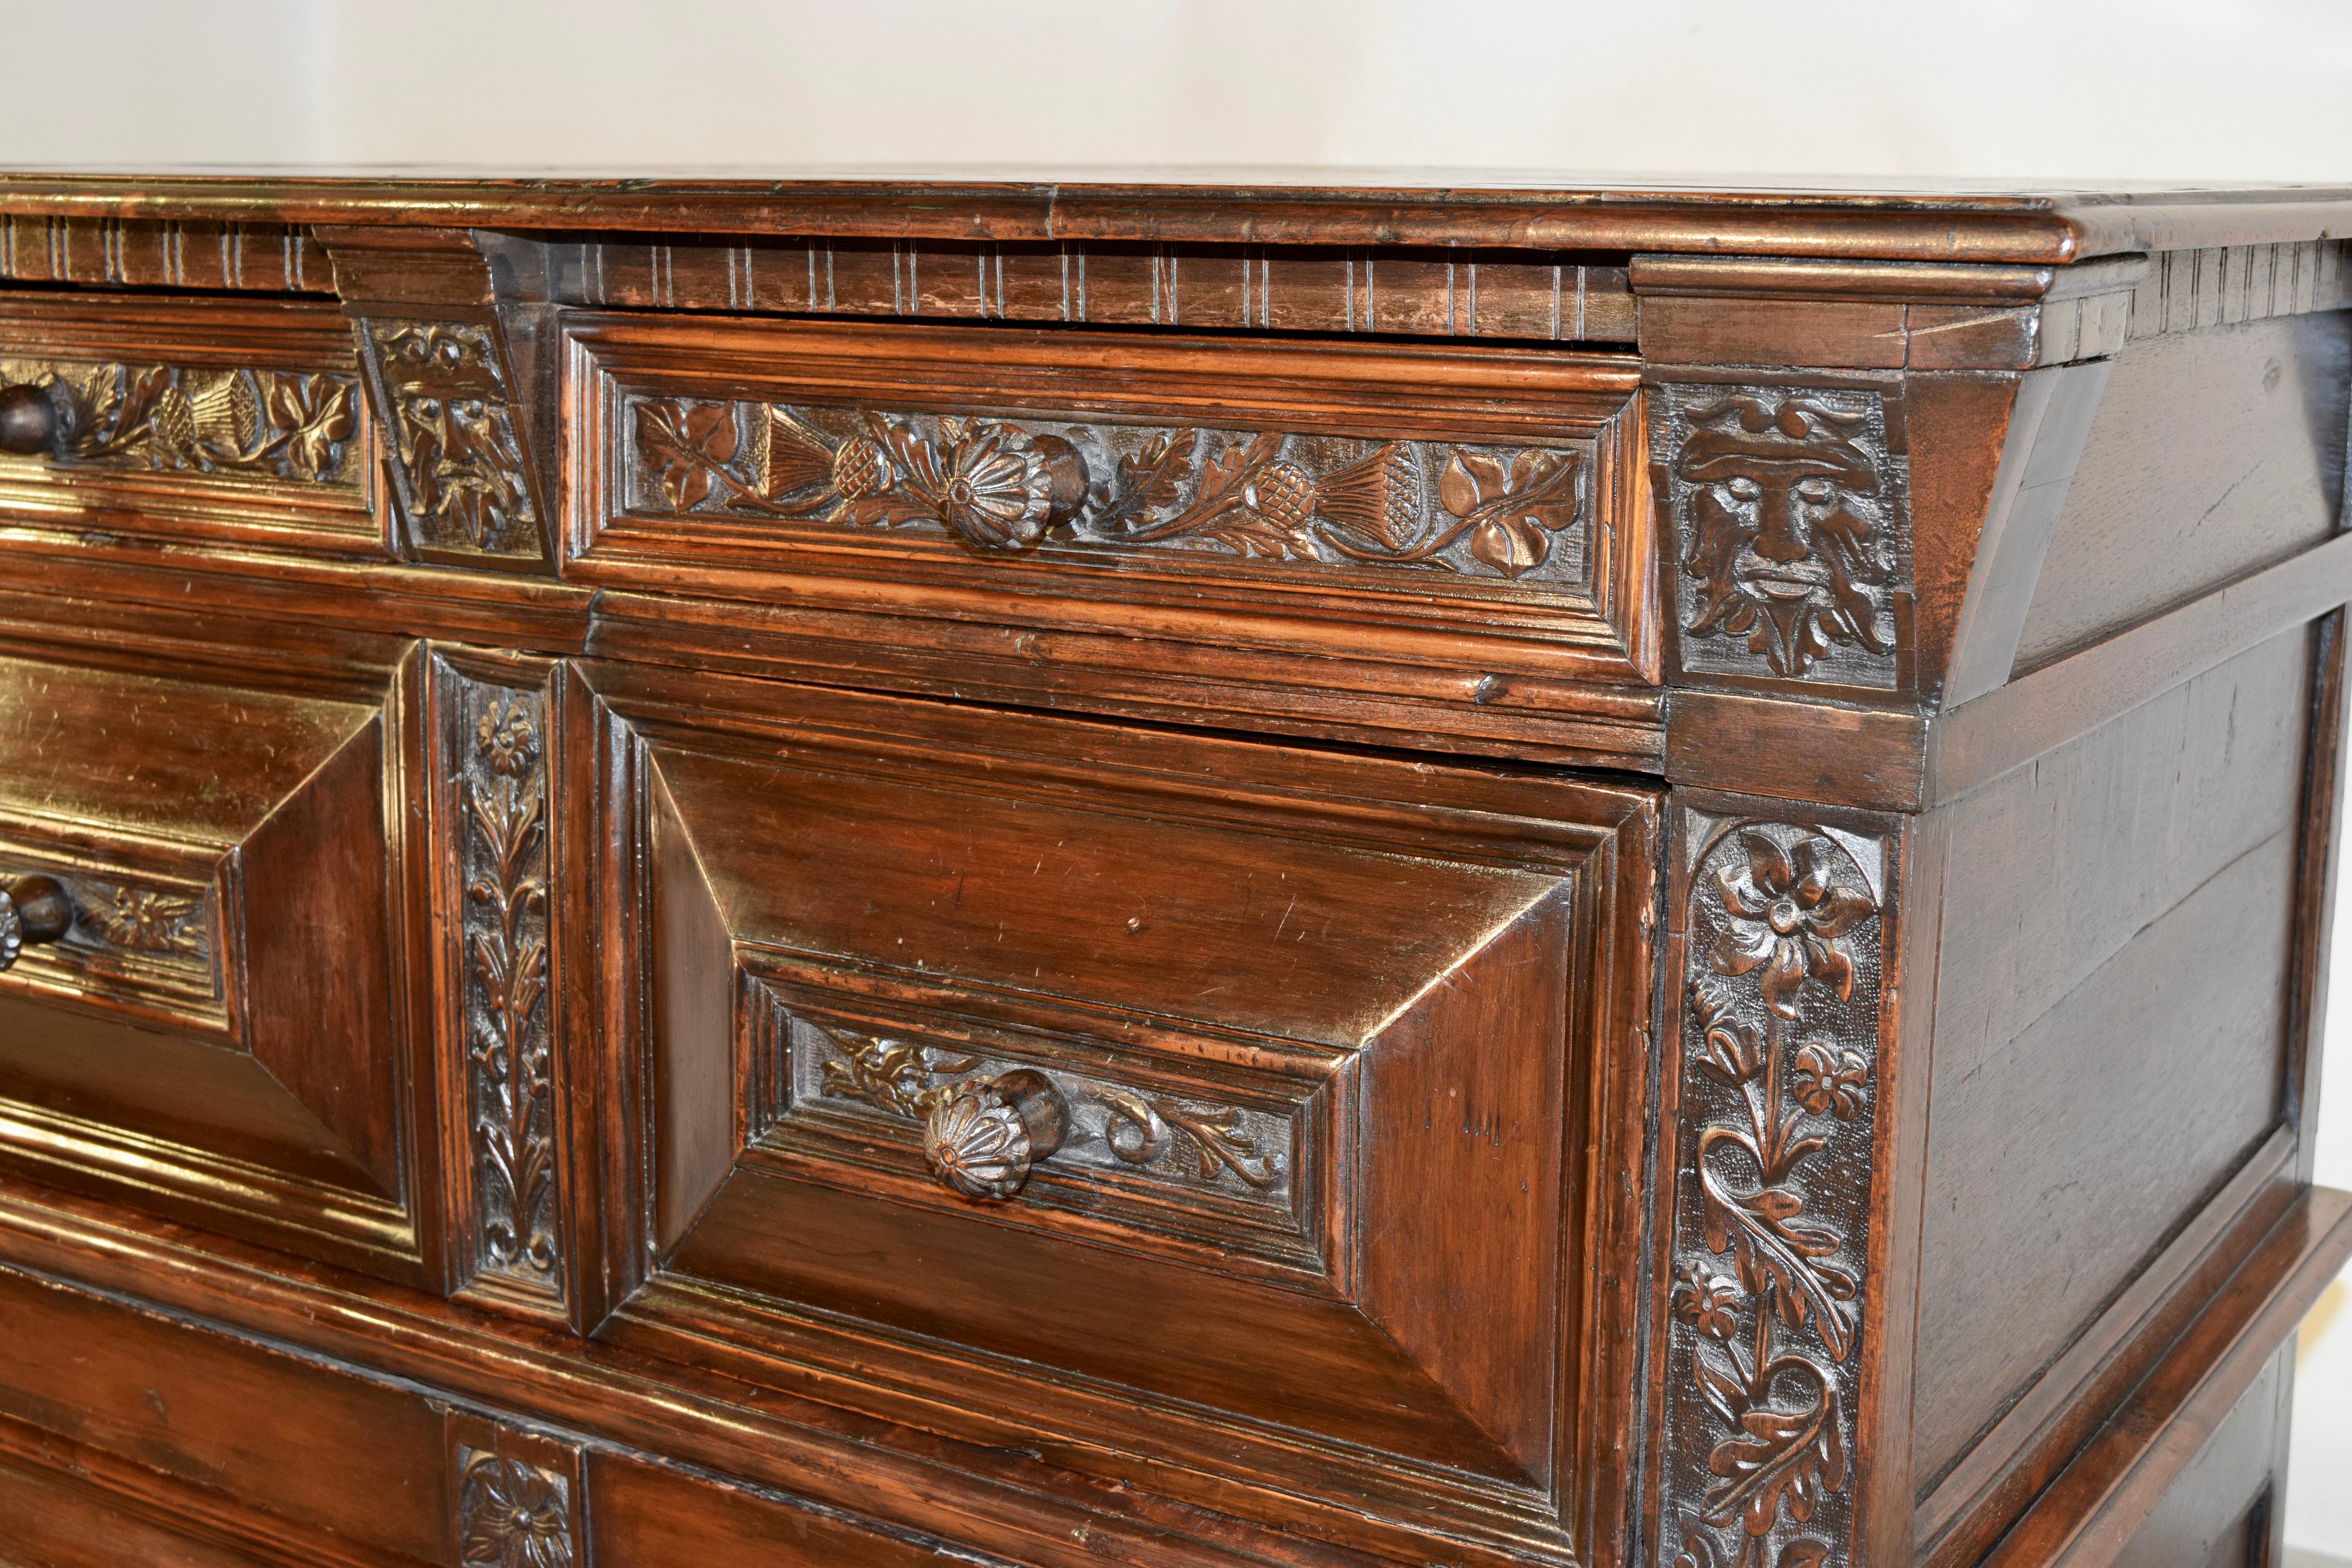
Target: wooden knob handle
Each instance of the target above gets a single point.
(32, 910)
(984, 1138)
(29, 420)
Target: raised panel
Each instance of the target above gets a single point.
(218, 1035)
(1412, 507)
(1325, 1031)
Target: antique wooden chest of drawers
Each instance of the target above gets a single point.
(813, 872)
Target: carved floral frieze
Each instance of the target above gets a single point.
(1008, 485)
(287, 425)
(1792, 525)
(1116, 1126)
(1779, 1048)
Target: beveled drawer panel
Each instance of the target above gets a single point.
(1406, 523)
(195, 419)
(1186, 1101)
(218, 1032)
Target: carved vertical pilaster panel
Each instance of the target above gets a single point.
(494, 729)
(517, 1497)
(1784, 936)
(441, 375)
(1790, 514)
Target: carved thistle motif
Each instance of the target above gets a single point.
(1779, 1042)
(511, 1514)
(503, 800)
(1007, 485)
(277, 424)
(1158, 1133)
(1792, 529)
(463, 483)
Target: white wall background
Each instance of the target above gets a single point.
(2183, 91)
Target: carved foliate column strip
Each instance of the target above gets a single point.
(1780, 1089)
(456, 431)
(494, 736)
(518, 1499)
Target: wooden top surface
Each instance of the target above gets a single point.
(1952, 221)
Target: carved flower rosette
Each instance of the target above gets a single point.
(1779, 1093)
(1003, 485)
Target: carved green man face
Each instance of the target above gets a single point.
(1783, 529)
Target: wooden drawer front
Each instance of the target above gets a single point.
(1338, 1042)
(201, 419)
(141, 1434)
(1445, 507)
(217, 1031)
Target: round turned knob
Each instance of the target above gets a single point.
(32, 909)
(983, 1138)
(29, 420)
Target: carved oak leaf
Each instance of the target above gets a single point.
(1510, 514)
(316, 414)
(686, 442)
(1152, 480)
(1792, 1456)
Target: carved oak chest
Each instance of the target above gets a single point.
(814, 872)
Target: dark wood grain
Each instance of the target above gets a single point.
(2087, 1516)
(1865, 219)
(2212, 454)
(1268, 871)
(2046, 959)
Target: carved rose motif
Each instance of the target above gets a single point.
(515, 1515)
(510, 1083)
(1783, 914)
(508, 742)
(1829, 1081)
(147, 921)
(1707, 1302)
(1783, 529)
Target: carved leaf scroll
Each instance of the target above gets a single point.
(1000, 485)
(1770, 1230)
